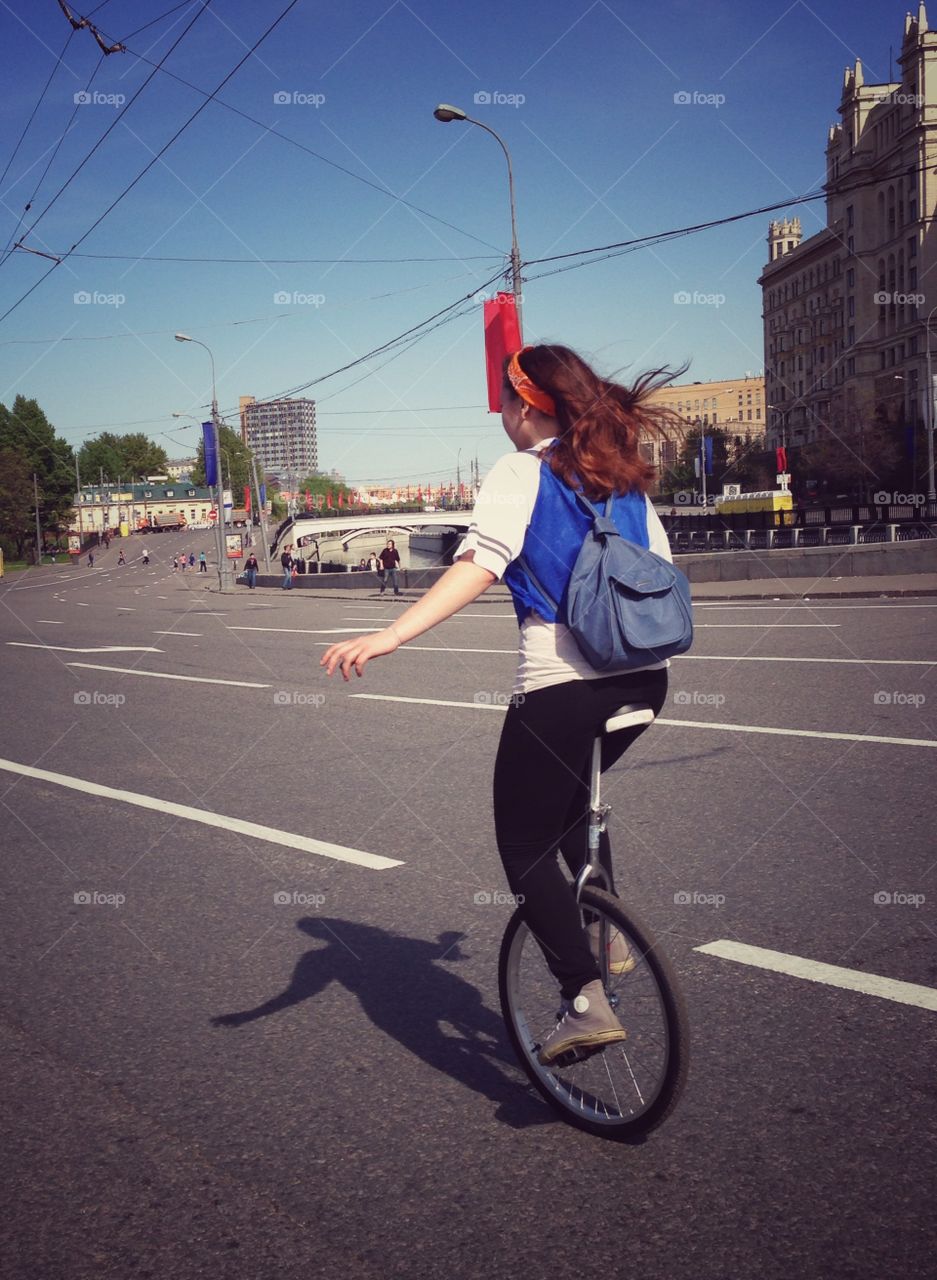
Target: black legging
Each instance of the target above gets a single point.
(541, 801)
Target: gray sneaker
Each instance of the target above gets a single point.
(588, 1023)
(620, 959)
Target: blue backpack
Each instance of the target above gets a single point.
(626, 606)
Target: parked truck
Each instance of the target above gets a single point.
(240, 517)
(162, 524)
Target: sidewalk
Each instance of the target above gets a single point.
(872, 586)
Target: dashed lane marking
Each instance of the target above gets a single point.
(64, 648)
(683, 657)
(677, 724)
(831, 975)
(306, 844)
(170, 675)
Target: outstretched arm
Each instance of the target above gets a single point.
(459, 586)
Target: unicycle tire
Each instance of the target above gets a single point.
(629, 1088)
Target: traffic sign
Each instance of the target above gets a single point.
(213, 514)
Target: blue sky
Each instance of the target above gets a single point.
(602, 152)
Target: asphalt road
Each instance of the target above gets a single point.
(227, 1055)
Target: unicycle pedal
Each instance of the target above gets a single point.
(581, 1053)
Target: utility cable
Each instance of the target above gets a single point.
(162, 151)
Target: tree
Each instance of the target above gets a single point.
(17, 522)
(235, 463)
(130, 457)
(26, 431)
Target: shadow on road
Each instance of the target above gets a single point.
(406, 992)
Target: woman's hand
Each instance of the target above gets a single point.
(358, 652)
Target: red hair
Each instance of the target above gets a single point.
(600, 422)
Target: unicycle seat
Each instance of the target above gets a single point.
(631, 716)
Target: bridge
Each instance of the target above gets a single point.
(305, 531)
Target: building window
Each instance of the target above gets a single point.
(912, 246)
(851, 278)
(849, 215)
(850, 336)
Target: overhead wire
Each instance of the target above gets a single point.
(111, 127)
(158, 155)
(376, 186)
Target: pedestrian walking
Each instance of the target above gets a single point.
(202, 562)
(191, 559)
(90, 559)
(121, 559)
(146, 557)
(251, 568)
(286, 560)
(390, 560)
(573, 431)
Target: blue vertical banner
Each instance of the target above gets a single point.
(211, 458)
(263, 496)
(706, 445)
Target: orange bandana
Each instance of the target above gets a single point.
(528, 390)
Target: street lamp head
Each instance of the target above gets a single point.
(446, 113)
(184, 337)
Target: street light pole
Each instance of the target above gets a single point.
(216, 440)
(446, 113)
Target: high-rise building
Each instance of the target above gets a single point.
(847, 311)
(282, 434)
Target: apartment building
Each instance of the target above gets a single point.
(847, 310)
(282, 434)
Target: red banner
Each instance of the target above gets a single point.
(247, 497)
(781, 455)
(308, 500)
(502, 339)
(341, 498)
(329, 503)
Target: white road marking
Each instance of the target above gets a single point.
(272, 835)
(831, 975)
(196, 634)
(855, 662)
(125, 608)
(51, 622)
(805, 603)
(305, 631)
(678, 724)
(762, 626)
(82, 605)
(64, 648)
(168, 675)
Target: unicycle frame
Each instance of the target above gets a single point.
(633, 716)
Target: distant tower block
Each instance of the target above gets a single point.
(783, 237)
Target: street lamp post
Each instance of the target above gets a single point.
(219, 503)
(931, 492)
(446, 113)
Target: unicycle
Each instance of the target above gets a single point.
(627, 1088)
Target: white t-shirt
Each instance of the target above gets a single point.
(503, 510)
